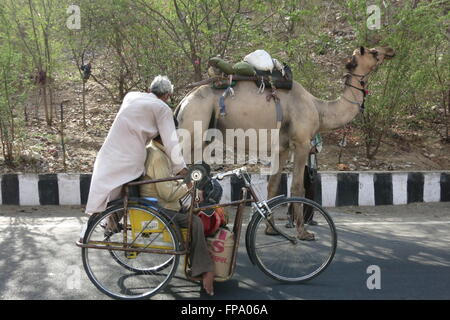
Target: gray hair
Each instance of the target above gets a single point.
(161, 85)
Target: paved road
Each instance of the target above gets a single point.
(410, 244)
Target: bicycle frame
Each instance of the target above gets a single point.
(259, 205)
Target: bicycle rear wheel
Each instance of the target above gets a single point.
(131, 275)
(129, 260)
(290, 262)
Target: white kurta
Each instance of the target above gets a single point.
(122, 156)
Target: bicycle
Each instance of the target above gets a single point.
(145, 246)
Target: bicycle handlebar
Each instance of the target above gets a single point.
(236, 172)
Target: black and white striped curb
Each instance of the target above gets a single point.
(333, 188)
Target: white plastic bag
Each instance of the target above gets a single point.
(260, 59)
(278, 66)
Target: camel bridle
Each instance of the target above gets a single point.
(363, 83)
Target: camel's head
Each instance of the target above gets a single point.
(365, 60)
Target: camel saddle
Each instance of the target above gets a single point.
(277, 79)
(224, 75)
(280, 79)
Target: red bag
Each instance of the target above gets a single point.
(213, 222)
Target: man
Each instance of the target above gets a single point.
(169, 194)
(142, 116)
(310, 178)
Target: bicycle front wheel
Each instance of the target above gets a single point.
(130, 274)
(284, 260)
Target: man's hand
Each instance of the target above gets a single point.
(183, 173)
(200, 196)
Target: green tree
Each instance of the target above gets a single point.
(12, 91)
(35, 24)
(404, 92)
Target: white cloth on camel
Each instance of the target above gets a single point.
(121, 159)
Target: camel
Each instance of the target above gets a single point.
(303, 115)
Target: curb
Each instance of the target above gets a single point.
(333, 189)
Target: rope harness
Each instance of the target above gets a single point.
(228, 92)
(364, 91)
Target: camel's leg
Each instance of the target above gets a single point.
(274, 180)
(297, 187)
(301, 153)
(274, 183)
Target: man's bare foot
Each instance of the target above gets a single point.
(305, 235)
(208, 280)
(270, 231)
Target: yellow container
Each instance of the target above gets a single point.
(144, 222)
(167, 238)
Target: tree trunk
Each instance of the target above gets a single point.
(121, 85)
(7, 130)
(6, 145)
(25, 114)
(447, 117)
(52, 107)
(83, 107)
(37, 103)
(197, 69)
(44, 96)
(63, 147)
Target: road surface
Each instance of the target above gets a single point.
(409, 245)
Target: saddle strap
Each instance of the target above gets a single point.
(278, 108)
(222, 105)
(279, 112)
(228, 92)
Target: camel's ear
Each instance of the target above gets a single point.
(361, 50)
